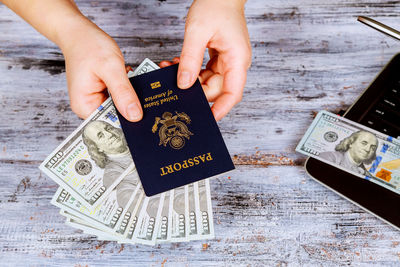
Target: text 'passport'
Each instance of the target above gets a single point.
(178, 141)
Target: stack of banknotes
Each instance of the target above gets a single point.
(100, 191)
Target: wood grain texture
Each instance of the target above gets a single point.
(307, 56)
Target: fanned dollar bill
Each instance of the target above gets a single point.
(149, 219)
(106, 216)
(130, 213)
(354, 148)
(204, 210)
(86, 228)
(100, 191)
(133, 222)
(90, 167)
(82, 175)
(163, 232)
(193, 229)
(178, 209)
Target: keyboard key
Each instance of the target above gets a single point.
(386, 114)
(380, 125)
(389, 130)
(379, 112)
(395, 91)
(371, 122)
(391, 102)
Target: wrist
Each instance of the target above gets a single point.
(239, 4)
(74, 29)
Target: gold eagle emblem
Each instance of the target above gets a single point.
(173, 129)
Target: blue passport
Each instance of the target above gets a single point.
(178, 141)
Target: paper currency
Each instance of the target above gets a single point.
(130, 214)
(86, 228)
(354, 148)
(192, 212)
(90, 167)
(149, 219)
(179, 220)
(163, 232)
(105, 216)
(205, 216)
(80, 224)
(77, 169)
(101, 194)
(133, 221)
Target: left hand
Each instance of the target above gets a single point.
(221, 27)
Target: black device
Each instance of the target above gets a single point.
(378, 108)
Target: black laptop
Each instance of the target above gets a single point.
(378, 108)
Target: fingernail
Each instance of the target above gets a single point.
(134, 112)
(184, 79)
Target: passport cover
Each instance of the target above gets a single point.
(178, 141)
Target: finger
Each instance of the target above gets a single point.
(212, 63)
(212, 52)
(211, 83)
(191, 58)
(121, 90)
(165, 63)
(84, 108)
(213, 86)
(204, 75)
(86, 92)
(83, 104)
(128, 68)
(233, 84)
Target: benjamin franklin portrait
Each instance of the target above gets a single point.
(354, 152)
(107, 147)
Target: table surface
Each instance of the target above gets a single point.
(307, 56)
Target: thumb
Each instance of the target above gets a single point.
(122, 92)
(191, 58)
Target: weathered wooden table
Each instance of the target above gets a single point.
(307, 56)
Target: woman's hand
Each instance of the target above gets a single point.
(94, 63)
(221, 27)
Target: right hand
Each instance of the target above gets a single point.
(94, 63)
(221, 27)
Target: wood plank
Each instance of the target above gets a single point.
(323, 64)
(307, 56)
(263, 216)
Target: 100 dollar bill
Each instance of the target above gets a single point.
(354, 148)
(204, 212)
(123, 213)
(81, 165)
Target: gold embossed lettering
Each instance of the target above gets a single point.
(177, 168)
(190, 161)
(169, 169)
(203, 157)
(185, 164)
(162, 171)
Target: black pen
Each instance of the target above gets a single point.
(380, 27)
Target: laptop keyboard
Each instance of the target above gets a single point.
(384, 116)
